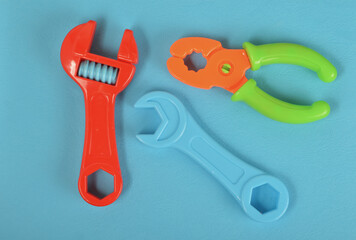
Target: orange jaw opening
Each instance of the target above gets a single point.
(225, 68)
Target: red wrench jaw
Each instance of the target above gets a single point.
(128, 49)
(75, 45)
(76, 48)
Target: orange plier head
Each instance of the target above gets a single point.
(225, 68)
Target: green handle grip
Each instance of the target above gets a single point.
(291, 54)
(277, 109)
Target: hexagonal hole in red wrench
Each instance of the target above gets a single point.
(264, 198)
(100, 183)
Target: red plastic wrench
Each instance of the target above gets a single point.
(101, 79)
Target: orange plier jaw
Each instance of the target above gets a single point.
(217, 57)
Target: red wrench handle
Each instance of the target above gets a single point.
(100, 151)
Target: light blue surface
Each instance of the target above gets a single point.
(166, 195)
(263, 197)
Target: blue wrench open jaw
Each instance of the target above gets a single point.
(173, 119)
(263, 197)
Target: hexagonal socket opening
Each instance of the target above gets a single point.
(195, 61)
(264, 198)
(100, 183)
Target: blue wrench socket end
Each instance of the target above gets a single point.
(263, 197)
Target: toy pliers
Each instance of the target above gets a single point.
(226, 68)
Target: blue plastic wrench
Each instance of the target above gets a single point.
(263, 197)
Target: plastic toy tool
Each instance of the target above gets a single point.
(226, 68)
(101, 79)
(263, 197)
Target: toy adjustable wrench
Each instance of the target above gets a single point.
(226, 68)
(101, 79)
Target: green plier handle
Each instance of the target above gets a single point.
(289, 54)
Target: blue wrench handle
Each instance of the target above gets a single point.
(263, 197)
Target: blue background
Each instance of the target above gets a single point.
(166, 195)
